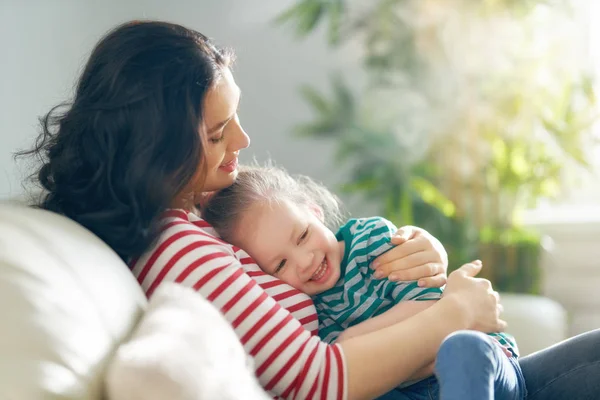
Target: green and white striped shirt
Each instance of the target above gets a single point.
(358, 296)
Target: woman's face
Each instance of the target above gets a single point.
(224, 134)
(224, 140)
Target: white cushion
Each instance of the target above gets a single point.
(536, 322)
(66, 302)
(183, 349)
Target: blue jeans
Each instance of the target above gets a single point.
(569, 370)
(469, 366)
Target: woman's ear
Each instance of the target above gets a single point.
(318, 211)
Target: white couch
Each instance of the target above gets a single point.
(67, 303)
(69, 307)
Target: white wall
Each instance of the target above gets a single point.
(45, 43)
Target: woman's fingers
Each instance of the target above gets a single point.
(478, 297)
(436, 281)
(495, 294)
(416, 256)
(415, 244)
(500, 326)
(470, 269)
(404, 234)
(500, 309)
(405, 249)
(413, 253)
(419, 272)
(500, 323)
(406, 262)
(401, 265)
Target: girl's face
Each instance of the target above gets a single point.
(292, 243)
(224, 140)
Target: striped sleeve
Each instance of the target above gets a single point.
(291, 362)
(380, 232)
(297, 303)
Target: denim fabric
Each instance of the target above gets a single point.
(569, 370)
(469, 366)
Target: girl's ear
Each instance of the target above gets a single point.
(318, 211)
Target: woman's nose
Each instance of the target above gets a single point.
(240, 139)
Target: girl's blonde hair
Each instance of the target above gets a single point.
(267, 185)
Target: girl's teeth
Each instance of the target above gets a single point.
(320, 271)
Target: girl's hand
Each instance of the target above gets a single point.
(476, 298)
(417, 256)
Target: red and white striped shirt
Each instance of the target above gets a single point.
(275, 322)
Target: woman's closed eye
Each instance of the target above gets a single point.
(217, 138)
(220, 135)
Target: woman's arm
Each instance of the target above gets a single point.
(398, 313)
(423, 373)
(378, 361)
(289, 361)
(292, 363)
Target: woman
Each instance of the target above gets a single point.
(153, 127)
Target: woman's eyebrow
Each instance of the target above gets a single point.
(221, 124)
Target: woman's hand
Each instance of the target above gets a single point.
(477, 299)
(417, 255)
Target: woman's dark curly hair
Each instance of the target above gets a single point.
(115, 157)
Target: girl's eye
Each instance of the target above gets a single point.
(303, 236)
(280, 266)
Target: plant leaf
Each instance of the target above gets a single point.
(316, 100)
(335, 8)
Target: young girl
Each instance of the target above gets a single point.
(290, 216)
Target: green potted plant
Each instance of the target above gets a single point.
(457, 130)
